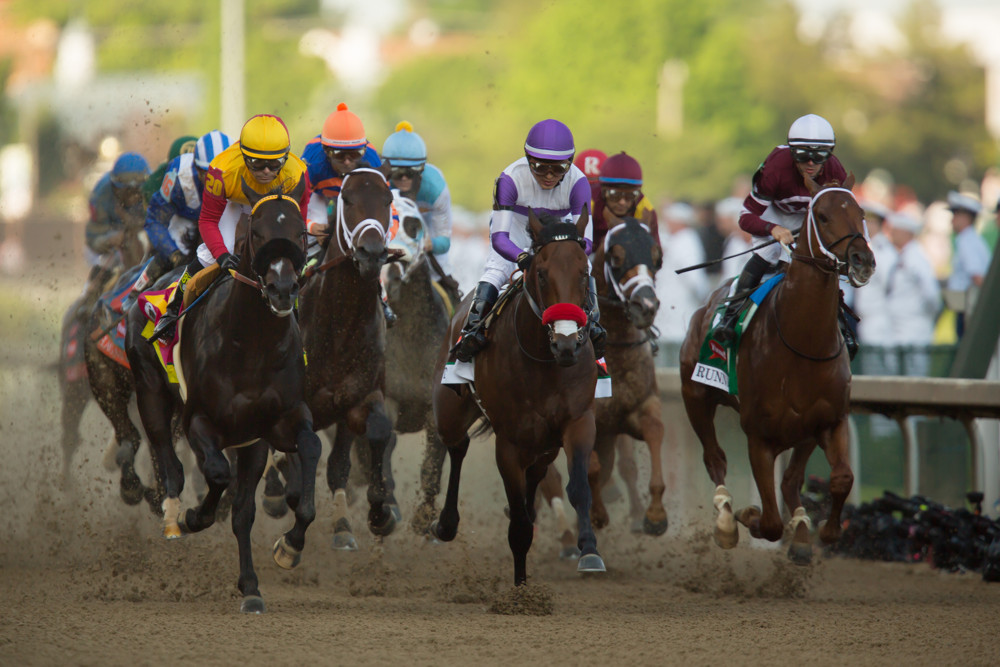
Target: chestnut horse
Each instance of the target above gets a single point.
(794, 377)
(344, 334)
(244, 375)
(534, 384)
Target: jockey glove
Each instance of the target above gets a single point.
(228, 261)
(524, 261)
(176, 258)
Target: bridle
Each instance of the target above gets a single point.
(258, 284)
(347, 236)
(835, 263)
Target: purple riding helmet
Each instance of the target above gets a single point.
(549, 140)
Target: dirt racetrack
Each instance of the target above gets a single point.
(86, 580)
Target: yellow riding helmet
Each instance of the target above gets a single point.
(265, 136)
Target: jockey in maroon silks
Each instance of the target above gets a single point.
(777, 204)
(620, 193)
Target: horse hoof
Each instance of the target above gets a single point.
(438, 532)
(252, 604)
(800, 554)
(385, 528)
(275, 506)
(131, 494)
(654, 528)
(591, 563)
(344, 541)
(172, 532)
(569, 553)
(285, 556)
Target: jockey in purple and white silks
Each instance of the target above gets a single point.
(547, 182)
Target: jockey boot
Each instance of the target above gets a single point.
(848, 327)
(167, 326)
(473, 339)
(753, 271)
(598, 334)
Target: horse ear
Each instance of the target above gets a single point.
(849, 182)
(534, 224)
(252, 195)
(581, 224)
(656, 254)
(811, 185)
(299, 189)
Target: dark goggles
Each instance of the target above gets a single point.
(813, 154)
(543, 167)
(260, 164)
(128, 183)
(406, 172)
(617, 194)
(344, 154)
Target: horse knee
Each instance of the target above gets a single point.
(841, 481)
(217, 471)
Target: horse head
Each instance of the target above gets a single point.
(835, 229)
(556, 283)
(364, 216)
(631, 260)
(408, 241)
(273, 245)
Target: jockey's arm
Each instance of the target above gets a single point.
(213, 204)
(102, 234)
(440, 226)
(158, 216)
(579, 199)
(317, 218)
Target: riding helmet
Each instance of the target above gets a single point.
(811, 130)
(343, 129)
(209, 146)
(404, 147)
(621, 168)
(590, 162)
(549, 140)
(265, 136)
(129, 170)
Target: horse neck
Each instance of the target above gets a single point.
(345, 295)
(248, 320)
(808, 289)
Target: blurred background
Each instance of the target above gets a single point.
(698, 92)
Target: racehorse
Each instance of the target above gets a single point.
(411, 350)
(344, 336)
(241, 359)
(76, 328)
(794, 378)
(534, 384)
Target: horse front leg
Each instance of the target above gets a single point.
(599, 470)
(551, 488)
(338, 469)
(250, 463)
(273, 500)
(156, 409)
(74, 400)
(578, 441)
(800, 526)
(628, 470)
(287, 550)
(836, 447)
(766, 522)
(381, 440)
(700, 406)
(205, 439)
(651, 427)
(520, 529)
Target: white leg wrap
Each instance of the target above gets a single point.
(339, 505)
(798, 517)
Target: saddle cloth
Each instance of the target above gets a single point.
(716, 365)
(154, 304)
(461, 372)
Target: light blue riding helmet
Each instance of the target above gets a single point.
(404, 147)
(209, 146)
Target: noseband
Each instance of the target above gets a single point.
(347, 236)
(642, 279)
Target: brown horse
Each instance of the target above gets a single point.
(794, 378)
(344, 335)
(245, 376)
(534, 384)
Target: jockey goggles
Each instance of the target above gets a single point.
(617, 194)
(543, 167)
(405, 172)
(344, 154)
(813, 154)
(260, 164)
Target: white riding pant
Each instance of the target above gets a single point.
(227, 226)
(774, 253)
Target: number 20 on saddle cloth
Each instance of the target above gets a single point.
(154, 304)
(716, 365)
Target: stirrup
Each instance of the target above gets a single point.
(470, 344)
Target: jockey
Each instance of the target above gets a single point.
(262, 160)
(621, 194)
(115, 201)
(544, 180)
(180, 146)
(172, 217)
(777, 203)
(405, 157)
(340, 149)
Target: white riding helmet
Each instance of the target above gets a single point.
(811, 130)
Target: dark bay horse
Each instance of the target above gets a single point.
(244, 373)
(534, 384)
(344, 335)
(794, 377)
(75, 389)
